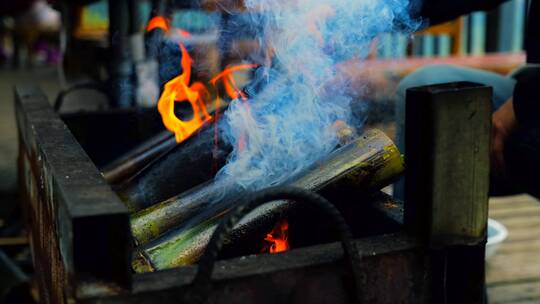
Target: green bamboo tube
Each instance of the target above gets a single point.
(149, 223)
(369, 162)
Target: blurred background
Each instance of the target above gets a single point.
(90, 55)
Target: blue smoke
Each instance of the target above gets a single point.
(288, 123)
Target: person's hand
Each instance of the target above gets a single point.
(504, 123)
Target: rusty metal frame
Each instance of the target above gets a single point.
(80, 238)
(394, 266)
(79, 229)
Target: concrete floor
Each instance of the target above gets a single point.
(47, 79)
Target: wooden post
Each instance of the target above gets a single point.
(447, 183)
(447, 179)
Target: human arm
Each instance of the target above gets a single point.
(527, 98)
(521, 111)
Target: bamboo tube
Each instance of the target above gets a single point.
(160, 168)
(183, 167)
(134, 160)
(369, 162)
(153, 221)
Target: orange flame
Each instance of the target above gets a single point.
(183, 33)
(228, 80)
(232, 91)
(158, 22)
(278, 238)
(178, 90)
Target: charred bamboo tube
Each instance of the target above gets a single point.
(135, 160)
(369, 162)
(179, 168)
(155, 220)
(185, 166)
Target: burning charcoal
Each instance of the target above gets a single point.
(369, 162)
(278, 239)
(185, 166)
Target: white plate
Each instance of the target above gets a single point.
(497, 233)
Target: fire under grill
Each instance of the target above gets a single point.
(95, 239)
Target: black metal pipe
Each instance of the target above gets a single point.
(121, 65)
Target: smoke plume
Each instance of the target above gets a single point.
(287, 125)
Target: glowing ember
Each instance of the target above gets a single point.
(178, 90)
(158, 22)
(278, 238)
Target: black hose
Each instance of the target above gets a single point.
(202, 281)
